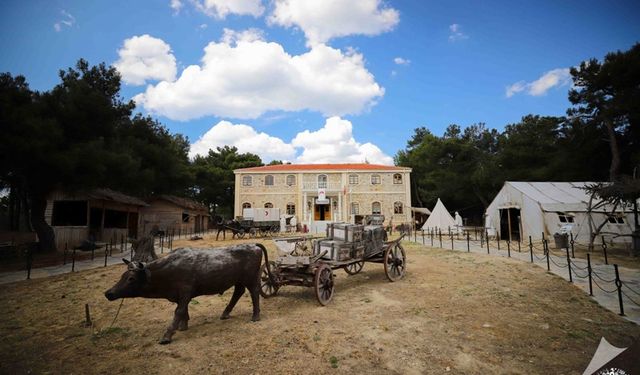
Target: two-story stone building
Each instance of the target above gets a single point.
(320, 193)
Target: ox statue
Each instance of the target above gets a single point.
(187, 273)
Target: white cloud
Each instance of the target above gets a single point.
(244, 76)
(221, 8)
(145, 58)
(401, 61)
(333, 143)
(176, 5)
(68, 21)
(456, 34)
(323, 20)
(245, 138)
(553, 78)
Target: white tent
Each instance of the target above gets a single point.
(523, 209)
(440, 219)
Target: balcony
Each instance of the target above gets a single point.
(327, 186)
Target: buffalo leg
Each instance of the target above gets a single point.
(255, 299)
(181, 313)
(237, 293)
(184, 323)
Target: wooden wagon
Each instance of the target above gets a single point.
(306, 262)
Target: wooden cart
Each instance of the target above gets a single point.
(296, 267)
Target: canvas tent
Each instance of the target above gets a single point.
(523, 209)
(440, 219)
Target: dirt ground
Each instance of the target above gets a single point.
(454, 312)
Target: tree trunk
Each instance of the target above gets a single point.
(46, 236)
(614, 169)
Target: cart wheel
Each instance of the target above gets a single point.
(354, 268)
(395, 262)
(323, 282)
(241, 233)
(267, 288)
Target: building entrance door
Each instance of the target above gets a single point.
(322, 212)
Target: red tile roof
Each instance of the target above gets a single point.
(322, 167)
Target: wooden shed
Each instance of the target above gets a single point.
(100, 215)
(170, 213)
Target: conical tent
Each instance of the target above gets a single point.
(440, 219)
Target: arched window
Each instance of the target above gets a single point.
(246, 205)
(291, 180)
(246, 180)
(353, 179)
(397, 178)
(291, 208)
(322, 181)
(375, 179)
(355, 208)
(376, 208)
(268, 205)
(397, 207)
(268, 180)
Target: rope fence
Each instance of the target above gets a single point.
(539, 252)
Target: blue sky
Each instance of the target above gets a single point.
(321, 81)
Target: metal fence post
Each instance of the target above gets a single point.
(64, 255)
(487, 240)
(29, 261)
(546, 251)
(509, 248)
(440, 236)
(519, 245)
(619, 286)
(572, 242)
(604, 250)
(569, 265)
(422, 237)
(589, 271)
(106, 253)
(468, 247)
(451, 241)
(531, 249)
(73, 260)
(498, 241)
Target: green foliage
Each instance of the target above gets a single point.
(215, 180)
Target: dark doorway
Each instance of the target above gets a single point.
(510, 224)
(322, 212)
(132, 228)
(95, 223)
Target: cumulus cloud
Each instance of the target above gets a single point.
(245, 139)
(243, 76)
(401, 61)
(333, 143)
(456, 34)
(176, 5)
(553, 78)
(67, 20)
(221, 8)
(323, 20)
(145, 58)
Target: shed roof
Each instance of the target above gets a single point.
(322, 167)
(183, 202)
(115, 196)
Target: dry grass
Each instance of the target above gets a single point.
(468, 313)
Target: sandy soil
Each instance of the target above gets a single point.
(454, 312)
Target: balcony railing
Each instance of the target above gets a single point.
(327, 186)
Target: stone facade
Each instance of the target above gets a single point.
(351, 191)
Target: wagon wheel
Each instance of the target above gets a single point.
(267, 288)
(354, 268)
(395, 264)
(323, 283)
(240, 233)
